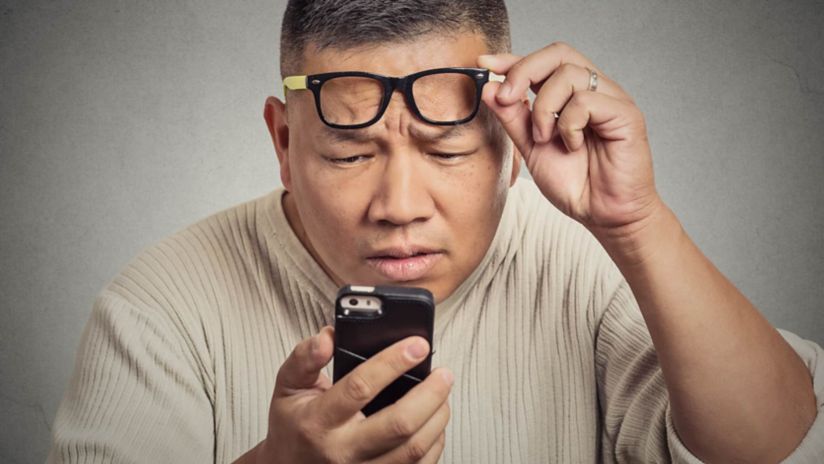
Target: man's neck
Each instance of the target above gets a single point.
(293, 218)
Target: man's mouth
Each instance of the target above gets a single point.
(404, 264)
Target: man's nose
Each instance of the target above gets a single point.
(401, 196)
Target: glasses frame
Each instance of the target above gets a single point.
(314, 82)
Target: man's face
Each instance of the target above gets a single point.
(401, 202)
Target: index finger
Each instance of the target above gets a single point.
(535, 68)
(355, 390)
(397, 423)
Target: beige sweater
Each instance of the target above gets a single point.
(551, 357)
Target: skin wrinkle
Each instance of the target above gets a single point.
(423, 134)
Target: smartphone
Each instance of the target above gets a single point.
(369, 319)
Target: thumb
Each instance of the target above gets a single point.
(301, 370)
(516, 118)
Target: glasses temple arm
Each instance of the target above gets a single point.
(294, 83)
(496, 77)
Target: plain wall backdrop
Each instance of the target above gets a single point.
(122, 122)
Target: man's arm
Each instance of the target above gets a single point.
(737, 390)
(135, 393)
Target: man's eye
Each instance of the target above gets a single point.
(448, 156)
(350, 159)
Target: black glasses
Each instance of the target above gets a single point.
(355, 99)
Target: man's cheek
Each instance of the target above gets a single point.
(336, 220)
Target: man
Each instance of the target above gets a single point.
(607, 336)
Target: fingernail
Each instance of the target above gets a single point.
(505, 90)
(448, 377)
(417, 349)
(314, 344)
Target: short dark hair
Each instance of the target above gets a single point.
(352, 23)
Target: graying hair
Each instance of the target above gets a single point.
(343, 24)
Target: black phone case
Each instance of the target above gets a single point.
(406, 312)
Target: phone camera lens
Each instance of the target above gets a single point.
(353, 301)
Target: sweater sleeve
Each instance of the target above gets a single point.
(134, 396)
(635, 411)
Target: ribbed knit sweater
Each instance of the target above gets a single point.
(552, 360)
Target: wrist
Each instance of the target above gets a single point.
(262, 453)
(255, 455)
(632, 246)
(265, 453)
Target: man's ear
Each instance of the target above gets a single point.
(274, 112)
(516, 165)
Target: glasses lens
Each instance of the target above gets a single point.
(445, 97)
(350, 100)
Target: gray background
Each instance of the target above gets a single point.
(123, 122)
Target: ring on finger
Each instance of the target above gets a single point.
(593, 86)
(593, 80)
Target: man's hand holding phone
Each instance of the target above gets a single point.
(312, 420)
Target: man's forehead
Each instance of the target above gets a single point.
(484, 125)
(398, 58)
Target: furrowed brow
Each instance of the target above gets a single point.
(430, 135)
(437, 135)
(347, 135)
